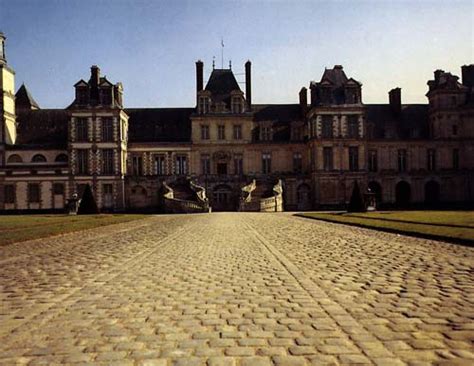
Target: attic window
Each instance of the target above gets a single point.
(106, 96)
(38, 158)
(81, 95)
(236, 105)
(203, 106)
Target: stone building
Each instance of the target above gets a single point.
(231, 154)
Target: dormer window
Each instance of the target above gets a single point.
(106, 96)
(82, 95)
(237, 105)
(203, 106)
(266, 133)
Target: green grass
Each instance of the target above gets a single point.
(448, 225)
(25, 227)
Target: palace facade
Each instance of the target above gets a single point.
(231, 154)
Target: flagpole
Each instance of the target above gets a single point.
(222, 53)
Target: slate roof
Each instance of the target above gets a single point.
(411, 123)
(46, 128)
(336, 76)
(222, 81)
(23, 98)
(159, 124)
(277, 112)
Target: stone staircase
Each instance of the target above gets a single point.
(262, 195)
(184, 196)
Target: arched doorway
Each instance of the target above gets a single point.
(375, 188)
(222, 198)
(432, 192)
(303, 197)
(402, 194)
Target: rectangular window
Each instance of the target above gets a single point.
(354, 158)
(203, 105)
(107, 161)
(431, 159)
(237, 132)
(236, 105)
(181, 165)
(107, 129)
(82, 161)
(9, 191)
(204, 132)
(266, 133)
(326, 130)
(297, 162)
(106, 96)
(221, 132)
(266, 163)
(353, 126)
(58, 189)
(373, 161)
(160, 165)
(238, 164)
(33, 192)
(402, 160)
(137, 165)
(82, 129)
(327, 158)
(205, 164)
(455, 158)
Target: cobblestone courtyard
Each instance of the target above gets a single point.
(236, 289)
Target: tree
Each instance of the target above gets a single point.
(356, 204)
(87, 205)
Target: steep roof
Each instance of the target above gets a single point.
(43, 127)
(159, 124)
(277, 112)
(222, 81)
(23, 98)
(411, 122)
(336, 76)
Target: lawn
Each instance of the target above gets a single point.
(25, 227)
(448, 225)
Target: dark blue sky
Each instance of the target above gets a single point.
(151, 46)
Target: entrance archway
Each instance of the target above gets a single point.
(432, 192)
(303, 197)
(222, 198)
(376, 189)
(402, 194)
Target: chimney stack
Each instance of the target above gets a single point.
(303, 100)
(95, 75)
(468, 75)
(248, 85)
(395, 100)
(199, 75)
(437, 75)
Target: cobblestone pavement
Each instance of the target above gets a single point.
(236, 289)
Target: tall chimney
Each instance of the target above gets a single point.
(437, 75)
(199, 75)
(395, 100)
(468, 75)
(303, 100)
(94, 83)
(248, 85)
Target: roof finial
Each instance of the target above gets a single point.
(213, 62)
(230, 64)
(222, 53)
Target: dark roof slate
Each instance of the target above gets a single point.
(410, 123)
(23, 98)
(277, 112)
(222, 82)
(335, 76)
(159, 124)
(43, 127)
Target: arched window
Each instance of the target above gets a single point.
(61, 158)
(38, 158)
(15, 159)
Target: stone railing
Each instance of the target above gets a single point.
(274, 203)
(246, 194)
(176, 205)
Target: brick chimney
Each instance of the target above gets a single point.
(248, 85)
(303, 100)
(94, 83)
(395, 100)
(199, 75)
(468, 75)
